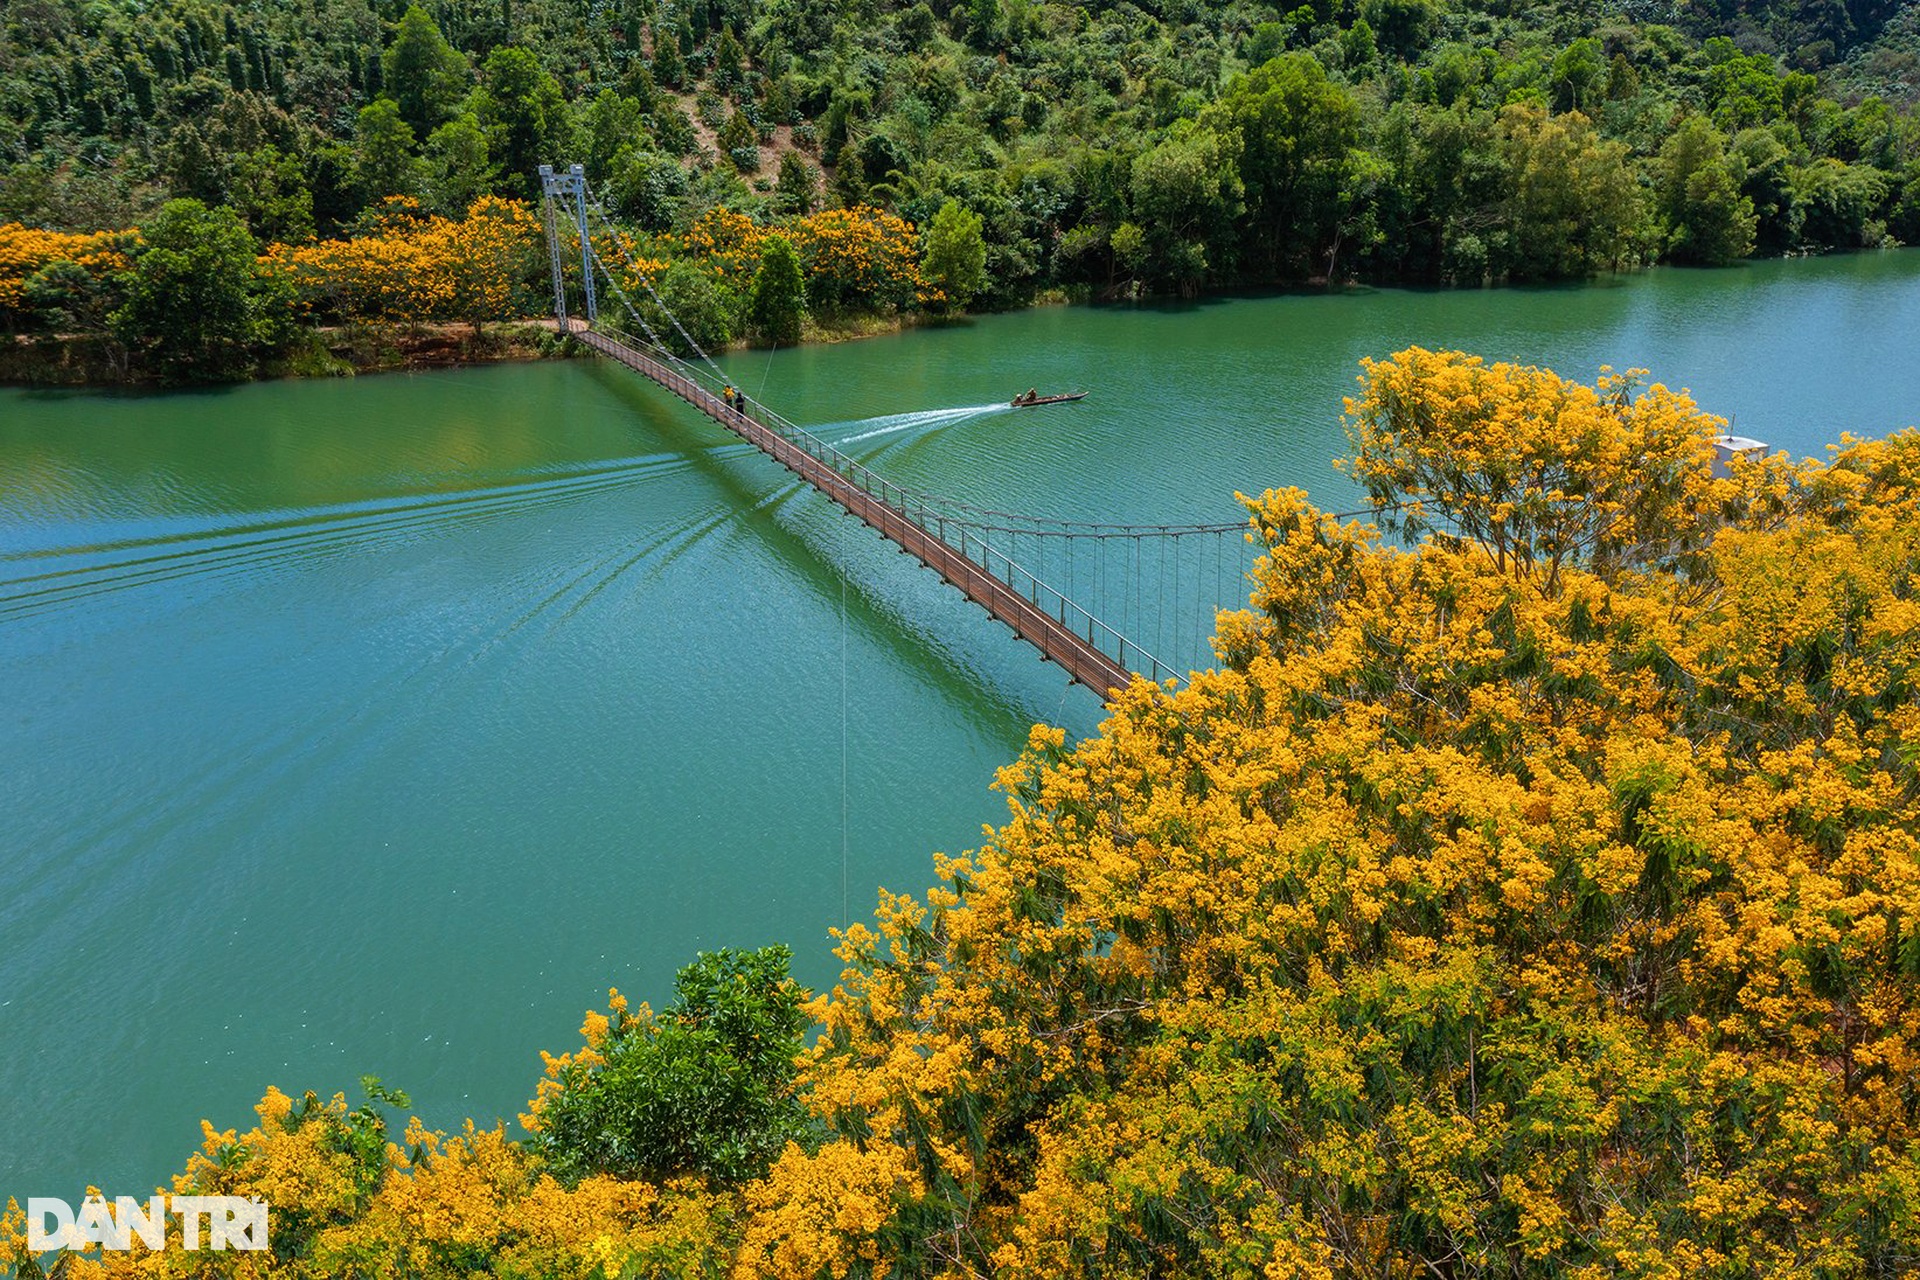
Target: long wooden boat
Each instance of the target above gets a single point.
(1021, 402)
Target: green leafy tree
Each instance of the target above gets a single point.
(1709, 220)
(705, 308)
(191, 167)
(741, 143)
(729, 61)
(1358, 48)
(332, 181)
(1623, 81)
(1574, 206)
(525, 113)
(1267, 41)
(610, 124)
(383, 159)
(1768, 183)
(1186, 195)
(849, 177)
(955, 260)
(1837, 200)
(778, 296)
(1743, 91)
(797, 189)
(459, 167)
(426, 77)
(916, 26)
(669, 68)
(648, 187)
(706, 1088)
(1402, 27)
(986, 25)
(268, 189)
(190, 310)
(1295, 131)
(673, 129)
(1904, 221)
(637, 83)
(1580, 75)
(64, 297)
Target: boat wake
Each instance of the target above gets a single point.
(898, 423)
(35, 579)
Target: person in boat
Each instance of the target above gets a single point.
(1033, 394)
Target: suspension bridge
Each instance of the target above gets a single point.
(1105, 602)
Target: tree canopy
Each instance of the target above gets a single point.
(190, 297)
(1111, 151)
(779, 293)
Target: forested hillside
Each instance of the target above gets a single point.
(1116, 148)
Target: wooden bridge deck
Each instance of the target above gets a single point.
(1057, 642)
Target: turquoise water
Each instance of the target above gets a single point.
(380, 725)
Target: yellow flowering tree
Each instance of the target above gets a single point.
(44, 275)
(1535, 469)
(859, 257)
(1454, 927)
(411, 268)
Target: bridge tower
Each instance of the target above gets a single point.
(556, 185)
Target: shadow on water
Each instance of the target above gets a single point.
(212, 391)
(965, 685)
(1363, 290)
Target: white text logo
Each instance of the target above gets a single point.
(230, 1222)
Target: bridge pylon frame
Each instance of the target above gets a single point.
(555, 184)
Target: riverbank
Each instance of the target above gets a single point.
(94, 361)
(80, 361)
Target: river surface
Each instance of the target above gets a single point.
(380, 725)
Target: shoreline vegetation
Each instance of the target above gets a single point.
(189, 298)
(88, 361)
(1527, 892)
(414, 291)
(201, 185)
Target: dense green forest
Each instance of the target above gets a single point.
(1110, 148)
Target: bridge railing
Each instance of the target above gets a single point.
(934, 516)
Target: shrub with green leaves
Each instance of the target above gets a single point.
(705, 1087)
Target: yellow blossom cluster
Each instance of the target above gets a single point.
(728, 243)
(861, 256)
(344, 1202)
(1537, 469)
(1466, 921)
(25, 250)
(415, 268)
